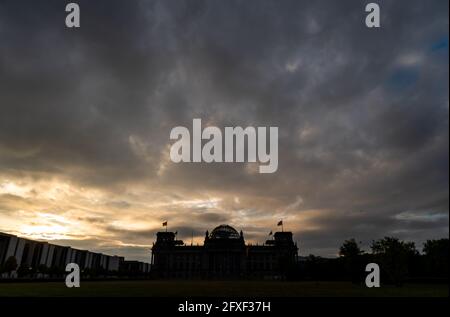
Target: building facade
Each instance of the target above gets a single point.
(224, 255)
(42, 259)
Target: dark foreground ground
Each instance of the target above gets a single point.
(219, 288)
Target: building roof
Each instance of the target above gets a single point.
(224, 232)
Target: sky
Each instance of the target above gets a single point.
(86, 114)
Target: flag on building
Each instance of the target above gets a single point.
(165, 224)
(280, 223)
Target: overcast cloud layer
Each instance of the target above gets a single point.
(85, 117)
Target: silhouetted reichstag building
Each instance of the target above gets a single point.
(224, 255)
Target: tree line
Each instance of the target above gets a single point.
(399, 262)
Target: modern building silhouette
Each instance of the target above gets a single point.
(35, 255)
(224, 255)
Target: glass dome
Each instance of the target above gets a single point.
(224, 232)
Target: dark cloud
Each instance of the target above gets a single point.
(362, 113)
(131, 235)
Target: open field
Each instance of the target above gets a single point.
(218, 288)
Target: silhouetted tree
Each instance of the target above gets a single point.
(350, 253)
(393, 256)
(350, 249)
(436, 256)
(312, 266)
(10, 265)
(43, 269)
(24, 271)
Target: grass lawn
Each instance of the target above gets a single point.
(218, 288)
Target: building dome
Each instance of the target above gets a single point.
(224, 232)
